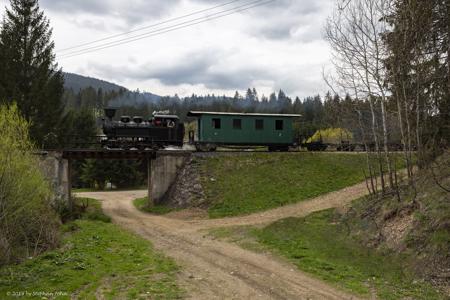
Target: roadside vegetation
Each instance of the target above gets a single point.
(243, 184)
(142, 205)
(95, 258)
(317, 244)
(29, 225)
(418, 226)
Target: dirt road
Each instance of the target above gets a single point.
(213, 269)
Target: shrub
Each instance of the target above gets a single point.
(90, 209)
(28, 224)
(332, 136)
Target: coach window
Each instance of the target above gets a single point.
(237, 124)
(216, 123)
(279, 124)
(259, 124)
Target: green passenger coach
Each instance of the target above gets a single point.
(243, 129)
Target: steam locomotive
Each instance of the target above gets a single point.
(138, 133)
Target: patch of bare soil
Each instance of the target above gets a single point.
(396, 229)
(213, 269)
(189, 214)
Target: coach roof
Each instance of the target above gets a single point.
(200, 113)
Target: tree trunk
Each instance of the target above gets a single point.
(377, 144)
(402, 132)
(369, 164)
(386, 142)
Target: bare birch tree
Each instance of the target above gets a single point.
(354, 32)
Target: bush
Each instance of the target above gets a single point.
(28, 224)
(90, 209)
(332, 136)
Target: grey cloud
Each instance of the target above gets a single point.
(213, 79)
(280, 17)
(193, 69)
(279, 31)
(75, 6)
(284, 17)
(92, 24)
(196, 71)
(131, 11)
(305, 82)
(294, 6)
(291, 7)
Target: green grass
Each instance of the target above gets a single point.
(90, 209)
(85, 190)
(95, 259)
(141, 204)
(318, 245)
(244, 184)
(89, 190)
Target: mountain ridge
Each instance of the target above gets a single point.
(78, 82)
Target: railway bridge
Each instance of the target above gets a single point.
(162, 168)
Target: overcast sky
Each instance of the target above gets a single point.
(270, 47)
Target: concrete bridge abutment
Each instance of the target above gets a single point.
(163, 168)
(57, 170)
(163, 172)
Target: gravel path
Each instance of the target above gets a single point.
(213, 269)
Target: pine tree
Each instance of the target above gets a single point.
(29, 74)
(237, 96)
(273, 98)
(255, 95)
(281, 95)
(249, 95)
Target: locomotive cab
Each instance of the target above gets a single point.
(168, 121)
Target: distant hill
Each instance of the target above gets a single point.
(77, 82)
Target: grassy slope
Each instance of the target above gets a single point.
(317, 245)
(249, 183)
(141, 204)
(427, 239)
(96, 258)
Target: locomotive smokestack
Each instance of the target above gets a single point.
(110, 113)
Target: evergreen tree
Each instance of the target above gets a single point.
(249, 96)
(297, 106)
(281, 95)
(29, 74)
(237, 96)
(273, 100)
(255, 95)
